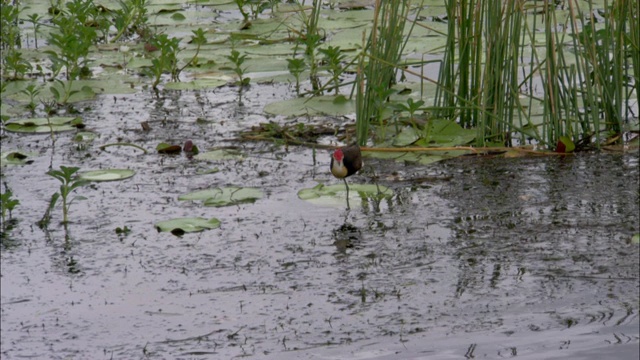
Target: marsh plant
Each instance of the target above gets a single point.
(490, 69)
(256, 7)
(296, 67)
(7, 203)
(32, 91)
(238, 60)
(333, 60)
(14, 65)
(379, 63)
(68, 184)
(166, 59)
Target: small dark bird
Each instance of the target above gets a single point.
(345, 162)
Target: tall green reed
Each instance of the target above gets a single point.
(379, 62)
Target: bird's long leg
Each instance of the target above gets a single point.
(347, 186)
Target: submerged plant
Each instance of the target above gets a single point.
(69, 183)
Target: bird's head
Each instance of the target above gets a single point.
(338, 155)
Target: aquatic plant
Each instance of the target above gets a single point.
(490, 69)
(13, 63)
(166, 60)
(237, 61)
(378, 63)
(7, 204)
(68, 183)
(333, 58)
(296, 66)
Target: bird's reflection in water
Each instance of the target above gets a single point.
(345, 237)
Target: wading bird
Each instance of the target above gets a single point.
(345, 162)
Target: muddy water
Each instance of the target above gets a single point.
(472, 258)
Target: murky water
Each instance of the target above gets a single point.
(473, 257)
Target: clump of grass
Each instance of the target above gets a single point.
(487, 83)
(379, 62)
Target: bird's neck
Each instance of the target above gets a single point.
(338, 169)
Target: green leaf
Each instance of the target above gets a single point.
(42, 125)
(219, 154)
(335, 195)
(226, 196)
(317, 105)
(107, 175)
(187, 225)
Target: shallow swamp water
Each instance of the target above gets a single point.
(473, 257)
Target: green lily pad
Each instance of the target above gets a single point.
(199, 84)
(107, 175)
(218, 197)
(447, 133)
(219, 154)
(406, 137)
(43, 125)
(186, 225)
(14, 158)
(317, 105)
(335, 195)
(85, 136)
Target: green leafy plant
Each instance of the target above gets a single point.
(71, 39)
(333, 58)
(166, 60)
(7, 203)
(31, 91)
(35, 21)
(69, 183)
(296, 67)
(237, 61)
(130, 19)
(10, 43)
(256, 7)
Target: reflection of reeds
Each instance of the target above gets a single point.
(377, 66)
(584, 71)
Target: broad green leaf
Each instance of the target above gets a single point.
(107, 174)
(219, 154)
(335, 195)
(14, 158)
(42, 125)
(407, 136)
(196, 84)
(225, 196)
(193, 224)
(318, 105)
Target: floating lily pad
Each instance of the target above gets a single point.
(107, 175)
(14, 158)
(318, 105)
(334, 195)
(85, 136)
(225, 196)
(447, 133)
(44, 125)
(196, 84)
(422, 158)
(186, 225)
(219, 154)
